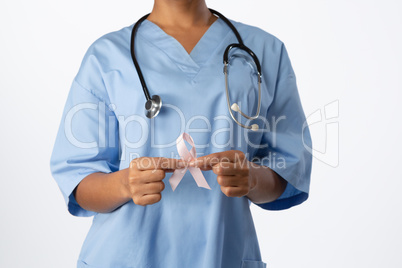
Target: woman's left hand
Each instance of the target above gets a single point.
(232, 169)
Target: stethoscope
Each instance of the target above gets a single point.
(153, 104)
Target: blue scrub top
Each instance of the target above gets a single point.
(104, 127)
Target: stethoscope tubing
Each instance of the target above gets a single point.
(154, 103)
(137, 66)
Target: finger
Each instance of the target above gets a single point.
(152, 163)
(225, 168)
(202, 167)
(215, 158)
(232, 181)
(152, 188)
(148, 176)
(234, 191)
(148, 199)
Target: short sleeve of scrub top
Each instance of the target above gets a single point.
(103, 128)
(87, 140)
(289, 142)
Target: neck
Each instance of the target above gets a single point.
(180, 13)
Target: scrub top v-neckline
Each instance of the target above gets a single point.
(200, 54)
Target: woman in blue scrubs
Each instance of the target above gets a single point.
(112, 162)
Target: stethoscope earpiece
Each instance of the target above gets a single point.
(153, 106)
(235, 107)
(254, 127)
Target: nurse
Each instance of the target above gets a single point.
(113, 163)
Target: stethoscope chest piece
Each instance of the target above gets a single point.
(153, 106)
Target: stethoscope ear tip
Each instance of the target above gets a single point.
(235, 107)
(254, 127)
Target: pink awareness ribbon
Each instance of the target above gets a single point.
(187, 156)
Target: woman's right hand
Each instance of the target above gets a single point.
(144, 183)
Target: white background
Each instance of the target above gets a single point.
(346, 51)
